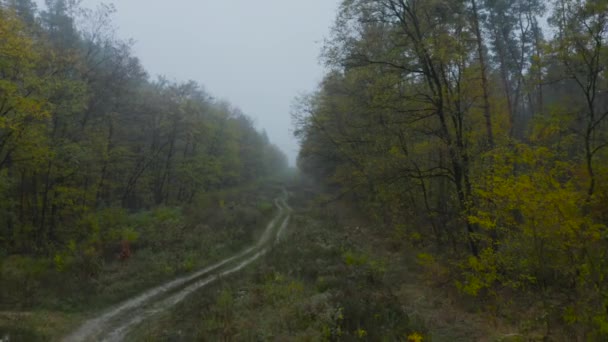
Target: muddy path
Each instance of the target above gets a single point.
(114, 324)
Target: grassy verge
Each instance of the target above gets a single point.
(44, 298)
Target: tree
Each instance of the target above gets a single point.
(517, 48)
(580, 47)
(83, 129)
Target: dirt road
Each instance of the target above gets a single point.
(114, 324)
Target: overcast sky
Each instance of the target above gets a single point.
(257, 54)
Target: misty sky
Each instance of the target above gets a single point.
(256, 54)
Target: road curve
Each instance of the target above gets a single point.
(114, 324)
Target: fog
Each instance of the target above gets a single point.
(258, 55)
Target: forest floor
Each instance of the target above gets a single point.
(335, 277)
(116, 322)
(40, 302)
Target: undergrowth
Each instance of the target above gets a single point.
(42, 298)
(317, 285)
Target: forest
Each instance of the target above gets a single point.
(453, 182)
(83, 129)
(477, 131)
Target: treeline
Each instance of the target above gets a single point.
(477, 129)
(83, 128)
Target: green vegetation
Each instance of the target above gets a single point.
(318, 284)
(478, 133)
(46, 298)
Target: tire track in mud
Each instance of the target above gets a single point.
(114, 324)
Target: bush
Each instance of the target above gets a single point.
(22, 277)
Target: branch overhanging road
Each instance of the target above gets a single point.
(117, 322)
